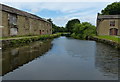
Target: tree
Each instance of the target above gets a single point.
(70, 24)
(56, 28)
(88, 30)
(50, 20)
(112, 9)
(83, 30)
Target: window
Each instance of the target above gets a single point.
(112, 23)
(12, 19)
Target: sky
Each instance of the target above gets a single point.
(60, 11)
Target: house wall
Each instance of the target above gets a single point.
(0, 22)
(119, 27)
(5, 31)
(103, 26)
(25, 25)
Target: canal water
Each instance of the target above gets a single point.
(61, 59)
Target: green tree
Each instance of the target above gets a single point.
(88, 30)
(50, 20)
(56, 28)
(112, 9)
(83, 30)
(70, 24)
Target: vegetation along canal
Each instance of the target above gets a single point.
(61, 59)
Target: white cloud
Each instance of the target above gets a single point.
(58, 0)
(61, 21)
(85, 15)
(85, 11)
(55, 6)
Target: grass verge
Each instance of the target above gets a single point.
(112, 38)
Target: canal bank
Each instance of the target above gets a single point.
(20, 41)
(113, 41)
(115, 44)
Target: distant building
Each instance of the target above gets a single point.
(108, 25)
(14, 22)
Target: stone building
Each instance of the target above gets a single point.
(15, 22)
(108, 25)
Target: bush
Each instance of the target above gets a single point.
(83, 30)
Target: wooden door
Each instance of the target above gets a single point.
(113, 31)
(40, 32)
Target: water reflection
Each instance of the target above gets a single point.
(106, 60)
(0, 62)
(13, 58)
(68, 59)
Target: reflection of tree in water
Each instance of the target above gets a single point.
(107, 60)
(16, 57)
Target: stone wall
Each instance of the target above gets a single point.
(20, 23)
(0, 21)
(119, 26)
(103, 24)
(109, 42)
(5, 28)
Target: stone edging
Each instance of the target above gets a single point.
(109, 42)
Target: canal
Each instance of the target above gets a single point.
(61, 59)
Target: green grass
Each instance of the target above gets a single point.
(17, 37)
(20, 37)
(112, 38)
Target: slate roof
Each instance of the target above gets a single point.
(20, 12)
(108, 17)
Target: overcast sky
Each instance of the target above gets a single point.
(60, 11)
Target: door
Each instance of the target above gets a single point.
(13, 31)
(40, 32)
(113, 31)
(13, 24)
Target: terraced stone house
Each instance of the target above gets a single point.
(108, 25)
(14, 22)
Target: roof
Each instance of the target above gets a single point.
(108, 17)
(20, 12)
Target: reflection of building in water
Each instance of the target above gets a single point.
(107, 60)
(0, 62)
(16, 57)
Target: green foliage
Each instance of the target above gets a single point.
(70, 25)
(55, 28)
(16, 41)
(112, 9)
(83, 30)
(80, 30)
